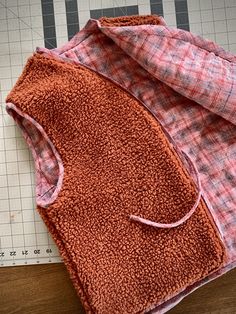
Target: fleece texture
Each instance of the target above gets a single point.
(117, 161)
(132, 20)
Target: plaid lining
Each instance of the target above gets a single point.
(188, 83)
(48, 164)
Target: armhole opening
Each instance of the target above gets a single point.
(49, 169)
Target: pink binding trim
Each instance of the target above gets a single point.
(188, 215)
(43, 202)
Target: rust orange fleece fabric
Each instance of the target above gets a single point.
(131, 20)
(117, 161)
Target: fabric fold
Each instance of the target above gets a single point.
(203, 75)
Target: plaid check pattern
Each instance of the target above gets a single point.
(189, 84)
(48, 165)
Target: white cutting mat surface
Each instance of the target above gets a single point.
(23, 236)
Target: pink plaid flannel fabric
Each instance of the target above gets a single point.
(189, 84)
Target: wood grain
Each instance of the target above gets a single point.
(47, 289)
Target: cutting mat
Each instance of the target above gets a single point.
(25, 24)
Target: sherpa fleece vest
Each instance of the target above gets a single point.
(111, 188)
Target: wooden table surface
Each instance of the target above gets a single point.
(46, 289)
